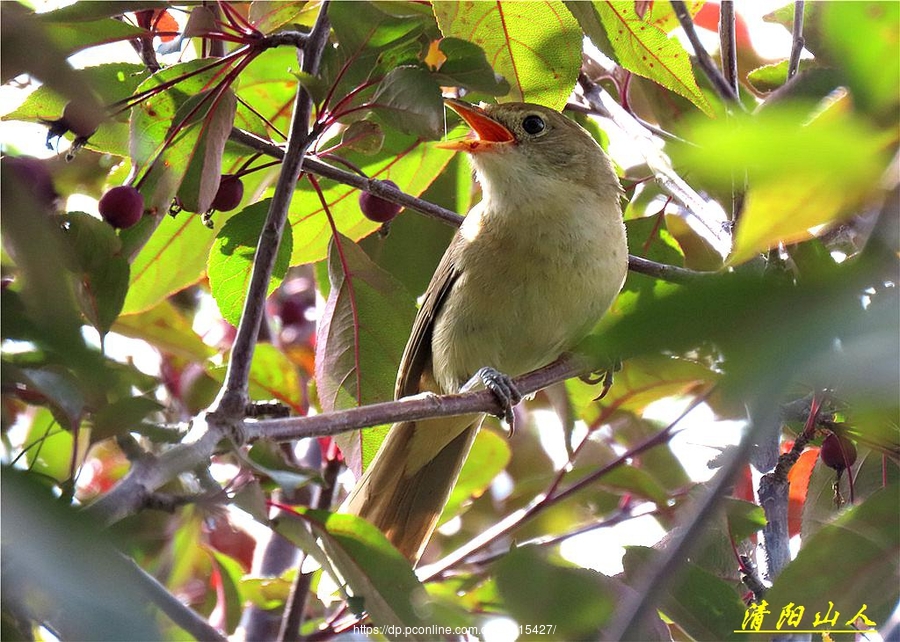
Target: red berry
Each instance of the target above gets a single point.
(838, 452)
(376, 208)
(122, 206)
(32, 176)
(229, 194)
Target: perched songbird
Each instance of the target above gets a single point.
(534, 266)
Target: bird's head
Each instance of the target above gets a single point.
(518, 144)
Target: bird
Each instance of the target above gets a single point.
(532, 268)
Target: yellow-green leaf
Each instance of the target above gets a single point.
(644, 49)
(536, 46)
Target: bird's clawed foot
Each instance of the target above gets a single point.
(504, 390)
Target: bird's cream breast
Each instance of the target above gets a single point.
(534, 278)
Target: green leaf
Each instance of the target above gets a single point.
(122, 416)
(851, 562)
(267, 458)
(489, 455)
(231, 259)
(640, 382)
(637, 481)
(575, 602)
(405, 160)
(409, 100)
(363, 136)
(102, 272)
(801, 174)
(744, 518)
(204, 168)
(359, 341)
(363, 25)
(164, 134)
(76, 581)
(73, 37)
(174, 258)
(230, 598)
(86, 11)
(706, 607)
(274, 376)
(50, 449)
(644, 48)
(165, 328)
(873, 46)
(111, 82)
(467, 66)
(769, 77)
(267, 16)
(536, 46)
(61, 390)
(375, 571)
(269, 84)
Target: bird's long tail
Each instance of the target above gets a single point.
(405, 488)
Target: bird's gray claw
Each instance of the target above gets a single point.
(506, 392)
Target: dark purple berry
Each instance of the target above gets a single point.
(838, 452)
(229, 194)
(122, 206)
(32, 175)
(376, 208)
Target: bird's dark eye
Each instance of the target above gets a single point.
(533, 124)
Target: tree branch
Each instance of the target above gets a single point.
(146, 476)
(388, 192)
(719, 83)
(232, 400)
(410, 409)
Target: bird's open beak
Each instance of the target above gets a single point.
(488, 132)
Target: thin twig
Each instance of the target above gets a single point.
(552, 498)
(798, 41)
(720, 85)
(390, 193)
(653, 581)
(233, 397)
(295, 608)
(728, 44)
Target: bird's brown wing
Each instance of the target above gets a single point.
(416, 360)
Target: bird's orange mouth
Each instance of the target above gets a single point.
(488, 132)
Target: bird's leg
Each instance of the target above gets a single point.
(504, 390)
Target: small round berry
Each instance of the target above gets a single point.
(229, 194)
(838, 452)
(122, 206)
(378, 209)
